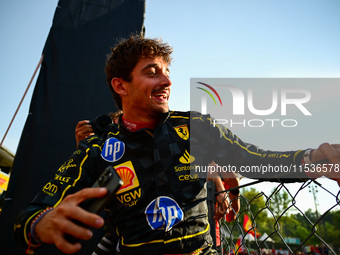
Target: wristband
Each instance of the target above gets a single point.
(306, 160)
(307, 157)
(35, 221)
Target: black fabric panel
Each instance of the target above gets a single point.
(71, 86)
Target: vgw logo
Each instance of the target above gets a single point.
(287, 96)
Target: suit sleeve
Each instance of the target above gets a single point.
(78, 172)
(250, 161)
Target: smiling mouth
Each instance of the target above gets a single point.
(162, 96)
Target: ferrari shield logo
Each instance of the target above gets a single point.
(183, 132)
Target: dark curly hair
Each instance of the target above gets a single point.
(126, 54)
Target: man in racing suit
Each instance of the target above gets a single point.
(161, 207)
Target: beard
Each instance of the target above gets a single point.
(158, 110)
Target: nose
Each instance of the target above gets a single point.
(166, 81)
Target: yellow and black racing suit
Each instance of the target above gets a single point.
(161, 207)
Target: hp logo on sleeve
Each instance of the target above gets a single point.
(113, 150)
(163, 213)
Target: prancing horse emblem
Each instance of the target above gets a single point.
(182, 131)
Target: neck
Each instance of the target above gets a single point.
(136, 125)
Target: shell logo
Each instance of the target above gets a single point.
(128, 175)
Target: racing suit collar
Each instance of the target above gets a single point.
(122, 128)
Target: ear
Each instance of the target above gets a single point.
(119, 85)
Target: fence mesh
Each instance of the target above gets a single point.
(274, 222)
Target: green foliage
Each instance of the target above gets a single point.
(279, 201)
(263, 211)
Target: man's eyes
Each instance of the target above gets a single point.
(151, 71)
(156, 72)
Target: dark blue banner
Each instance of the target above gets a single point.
(71, 87)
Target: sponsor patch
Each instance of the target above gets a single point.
(50, 189)
(113, 150)
(163, 213)
(61, 178)
(67, 165)
(182, 131)
(128, 175)
(188, 177)
(186, 158)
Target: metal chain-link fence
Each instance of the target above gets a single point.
(274, 222)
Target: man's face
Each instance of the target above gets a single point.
(149, 90)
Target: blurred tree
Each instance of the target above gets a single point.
(279, 201)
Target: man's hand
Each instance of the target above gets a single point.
(234, 200)
(331, 153)
(223, 200)
(56, 223)
(83, 130)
